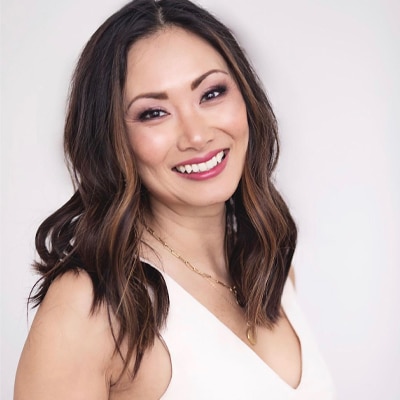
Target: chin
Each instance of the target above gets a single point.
(212, 200)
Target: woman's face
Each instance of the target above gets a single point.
(186, 120)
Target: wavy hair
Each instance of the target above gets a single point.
(99, 229)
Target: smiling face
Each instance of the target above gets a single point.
(186, 120)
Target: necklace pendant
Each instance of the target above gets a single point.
(251, 334)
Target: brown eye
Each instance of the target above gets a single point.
(151, 114)
(213, 93)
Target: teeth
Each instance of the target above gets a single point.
(202, 167)
(210, 163)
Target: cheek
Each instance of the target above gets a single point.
(235, 119)
(241, 121)
(149, 148)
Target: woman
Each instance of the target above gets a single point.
(165, 274)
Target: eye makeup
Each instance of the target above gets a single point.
(216, 88)
(213, 93)
(151, 113)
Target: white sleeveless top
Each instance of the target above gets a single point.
(209, 362)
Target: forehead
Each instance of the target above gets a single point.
(169, 57)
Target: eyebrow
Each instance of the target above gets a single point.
(163, 95)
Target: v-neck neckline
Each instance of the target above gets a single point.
(245, 348)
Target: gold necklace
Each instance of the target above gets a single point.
(250, 331)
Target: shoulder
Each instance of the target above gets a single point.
(69, 348)
(72, 292)
(67, 310)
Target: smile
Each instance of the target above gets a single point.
(203, 166)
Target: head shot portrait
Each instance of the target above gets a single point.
(199, 200)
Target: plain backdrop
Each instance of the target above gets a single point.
(331, 69)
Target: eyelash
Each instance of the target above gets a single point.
(149, 114)
(214, 93)
(155, 113)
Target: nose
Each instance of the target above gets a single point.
(194, 129)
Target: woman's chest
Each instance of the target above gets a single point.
(209, 361)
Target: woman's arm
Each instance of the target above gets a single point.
(68, 352)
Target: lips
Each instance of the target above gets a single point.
(204, 166)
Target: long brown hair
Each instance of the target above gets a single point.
(100, 228)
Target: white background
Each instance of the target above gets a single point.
(331, 69)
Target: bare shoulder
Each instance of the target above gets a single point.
(68, 349)
(70, 352)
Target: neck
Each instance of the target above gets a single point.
(199, 236)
